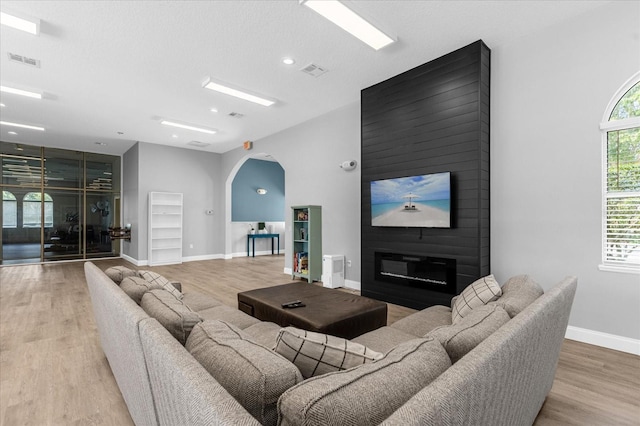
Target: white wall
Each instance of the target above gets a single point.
(549, 93)
(310, 154)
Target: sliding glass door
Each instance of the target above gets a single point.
(57, 204)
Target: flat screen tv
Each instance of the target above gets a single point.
(415, 201)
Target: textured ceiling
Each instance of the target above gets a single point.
(121, 66)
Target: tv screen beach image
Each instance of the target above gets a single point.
(414, 201)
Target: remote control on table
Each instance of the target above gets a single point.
(294, 304)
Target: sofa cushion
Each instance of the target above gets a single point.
(174, 315)
(479, 293)
(518, 293)
(383, 339)
(118, 273)
(264, 332)
(460, 338)
(253, 374)
(422, 322)
(154, 277)
(228, 314)
(136, 287)
(316, 353)
(198, 301)
(368, 394)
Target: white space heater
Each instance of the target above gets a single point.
(333, 270)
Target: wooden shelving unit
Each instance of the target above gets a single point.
(307, 242)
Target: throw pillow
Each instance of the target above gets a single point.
(253, 374)
(118, 273)
(460, 338)
(368, 394)
(316, 353)
(174, 315)
(136, 287)
(156, 278)
(477, 294)
(518, 293)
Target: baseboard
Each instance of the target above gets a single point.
(258, 253)
(203, 257)
(606, 340)
(353, 285)
(134, 261)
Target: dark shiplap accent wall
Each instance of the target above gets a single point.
(433, 118)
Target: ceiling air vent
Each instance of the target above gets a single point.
(236, 115)
(24, 60)
(314, 70)
(198, 144)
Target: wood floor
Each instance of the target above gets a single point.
(53, 372)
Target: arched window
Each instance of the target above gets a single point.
(621, 180)
(31, 210)
(9, 210)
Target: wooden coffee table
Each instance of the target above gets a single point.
(327, 311)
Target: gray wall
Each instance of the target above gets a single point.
(130, 195)
(549, 94)
(196, 175)
(310, 154)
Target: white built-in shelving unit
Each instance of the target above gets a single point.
(165, 228)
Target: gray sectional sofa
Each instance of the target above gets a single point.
(494, 366)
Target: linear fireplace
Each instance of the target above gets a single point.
(431, 273)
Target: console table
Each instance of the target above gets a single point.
(252, 237)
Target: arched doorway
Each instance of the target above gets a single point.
(237, 228)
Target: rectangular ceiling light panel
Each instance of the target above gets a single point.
(23, 126)
(20, 92)
(350, 21)
(187, 127)
(223, 88)
(31, 27)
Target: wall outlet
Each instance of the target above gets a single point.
(191, 245)
(348, 263)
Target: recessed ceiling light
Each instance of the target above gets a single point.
(12, 133)
(188, 127)
(214, 109)
(174, 136)
(23, 126)
(288, 61)
(224, 88)
(349, 21)
(20, 92)
(32, 27)
(2, 105)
